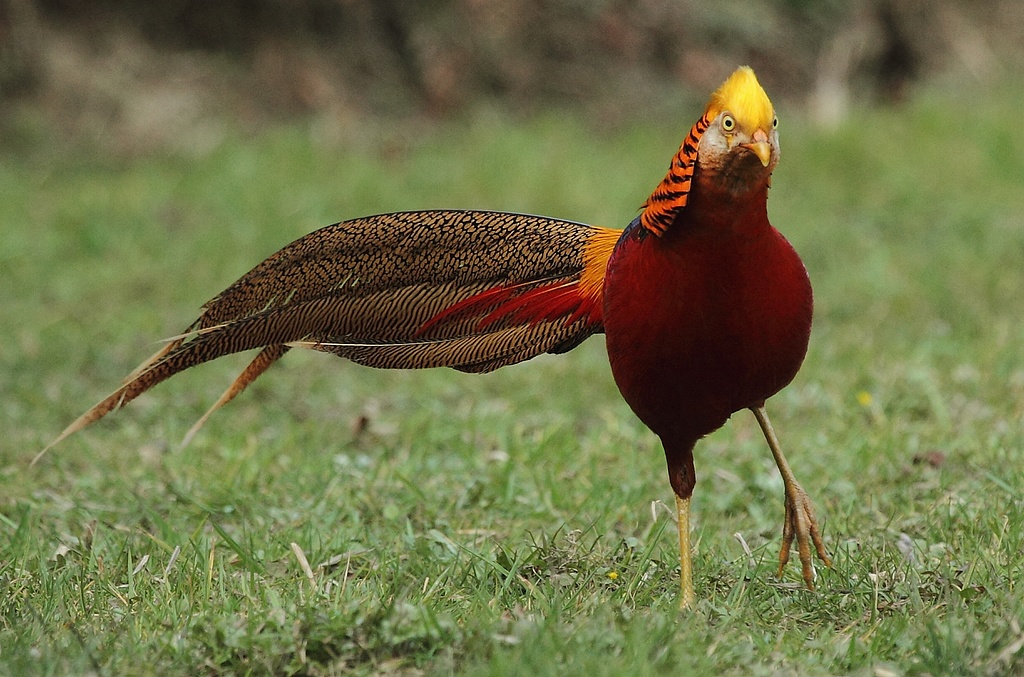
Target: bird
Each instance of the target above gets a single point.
(706, 308)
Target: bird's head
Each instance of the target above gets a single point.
(740, 147)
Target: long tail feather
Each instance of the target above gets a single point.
(260, 364)
(115, 400)
(465, 289)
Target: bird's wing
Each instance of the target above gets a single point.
(471, 290)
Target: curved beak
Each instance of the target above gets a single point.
(760, 147)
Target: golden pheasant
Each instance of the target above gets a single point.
(705, 306)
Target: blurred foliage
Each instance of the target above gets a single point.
(143, 74)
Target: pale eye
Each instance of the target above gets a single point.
(728, 124)
(775, 122)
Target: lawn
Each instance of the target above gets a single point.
(340, 520)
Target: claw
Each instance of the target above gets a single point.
(802, 526)
(800, 523)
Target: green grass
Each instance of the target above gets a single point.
(508, 523)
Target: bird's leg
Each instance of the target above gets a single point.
(686, 597)
(679, 454)
(800, 522)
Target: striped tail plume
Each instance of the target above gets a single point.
(661, 208)
(471, 290)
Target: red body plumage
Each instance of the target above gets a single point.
(711, 318)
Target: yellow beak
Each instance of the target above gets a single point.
(760, 147)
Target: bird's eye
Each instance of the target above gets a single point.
(775, 122)
(728, 124)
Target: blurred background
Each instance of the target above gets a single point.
(136, 75)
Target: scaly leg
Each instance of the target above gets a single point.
(800, 522)
(686, 598)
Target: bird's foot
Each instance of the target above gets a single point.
(801, 525)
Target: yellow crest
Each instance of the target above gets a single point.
(744, 98)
